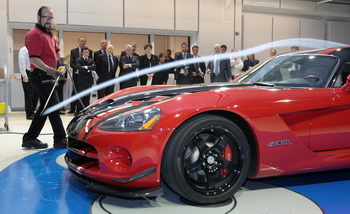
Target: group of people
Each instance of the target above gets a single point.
(44, 56)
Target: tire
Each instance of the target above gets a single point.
(206, 160)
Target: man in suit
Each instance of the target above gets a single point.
(128, 64)
(106, 67)
(85, 67)
(133, 50)
(183, 74)
(74, 55)
(198, 68)
(103, 44)
(219, 70)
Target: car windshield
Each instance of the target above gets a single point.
(303, 70)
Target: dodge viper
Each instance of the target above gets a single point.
(290, 114)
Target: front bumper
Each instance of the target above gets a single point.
(111, 190)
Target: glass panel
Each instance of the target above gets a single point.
(294, 71)
(120, 40)
(71, 41)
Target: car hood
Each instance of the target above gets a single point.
(145, 94)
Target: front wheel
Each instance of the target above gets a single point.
(206, 160)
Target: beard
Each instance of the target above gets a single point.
(46, 27)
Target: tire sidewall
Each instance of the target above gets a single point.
(172, 163)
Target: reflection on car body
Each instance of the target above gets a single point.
(288, 115)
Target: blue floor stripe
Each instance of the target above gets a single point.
(37, 184)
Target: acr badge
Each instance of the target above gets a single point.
(280, 143)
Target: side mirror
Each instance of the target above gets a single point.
(346, 86)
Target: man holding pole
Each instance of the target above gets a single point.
(43, 53)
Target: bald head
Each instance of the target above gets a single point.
(110, 49)
(216, 48)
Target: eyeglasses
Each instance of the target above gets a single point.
(48, 18)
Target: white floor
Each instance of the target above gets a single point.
(11, 141)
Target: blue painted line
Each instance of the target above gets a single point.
(37, 184)
(330, 190)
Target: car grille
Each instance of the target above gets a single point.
(81, 156)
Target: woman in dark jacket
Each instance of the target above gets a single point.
(147, 60)
(161, 77)
(250, 62)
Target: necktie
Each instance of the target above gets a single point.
(184, 55)
(110, 63)
(216, 69)
(196, 66)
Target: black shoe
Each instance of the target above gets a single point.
(34, 144)
(62, 144)
(72, 111)
(30, 117)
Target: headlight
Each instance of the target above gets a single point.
(143, 120)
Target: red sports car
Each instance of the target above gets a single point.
(288, 115)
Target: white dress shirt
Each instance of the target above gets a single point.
(23, 61)
(238, 65)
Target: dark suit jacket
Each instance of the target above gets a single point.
(134, 62)
(134, 54)
(74, 55)
(180, 78)
(85, 75)
(225, 71)
(96, 53)
(145, 63)
(102, 67)
(198, 79)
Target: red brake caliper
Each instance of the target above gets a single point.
(227, 155)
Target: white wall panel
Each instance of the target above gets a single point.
(186, 15)
(339, 32)
(107, 13)
(212, 28)
(298, 5)
(262, 3)
(26, 11)
(257, 30)
(3, 34)
(285, 28)
(315, 29)
(150, 14)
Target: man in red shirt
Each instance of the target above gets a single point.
(43, 54)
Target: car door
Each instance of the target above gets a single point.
(330, 127)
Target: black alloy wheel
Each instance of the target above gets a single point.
(206, 160)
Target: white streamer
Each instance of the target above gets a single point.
(303, 42)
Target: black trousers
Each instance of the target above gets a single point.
(85, 100)
(60, 91)
(37, 76)
(127, 84)
(73, 104)
(30, 96)
(105, 91)
(143, 80)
